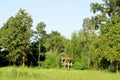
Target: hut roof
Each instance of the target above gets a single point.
(67, 58)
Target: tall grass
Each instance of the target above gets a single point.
(20, 73)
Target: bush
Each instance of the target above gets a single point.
(80, 62)
(80, 65)
(52, 60)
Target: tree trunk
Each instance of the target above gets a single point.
(112, 67)
(39, 55)
(13, 63)
(23, 58)
(88, 62)
(88, 59)
(117, 66)
(39, 59)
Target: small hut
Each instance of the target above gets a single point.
(66, 62)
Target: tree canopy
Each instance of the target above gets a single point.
(15, 35)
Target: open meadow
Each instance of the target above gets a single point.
(20, 73)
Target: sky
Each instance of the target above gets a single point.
(64, 16)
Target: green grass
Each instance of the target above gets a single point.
(20, 73)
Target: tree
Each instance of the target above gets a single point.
(112, 45)
(89, 35)
(15, 36)
(56, 42)
(108, 22)
(75, 48)
(40, 32)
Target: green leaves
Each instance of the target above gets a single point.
(15, 35)
(41, 28)
(108, 21)
(113, 38)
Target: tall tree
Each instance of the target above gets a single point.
(88, 32)
(112, 45)
(108, 22)
(15, 36)
(40, 32)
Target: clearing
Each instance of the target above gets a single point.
(20, 73)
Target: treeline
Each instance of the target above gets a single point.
(96, 45)
(20, 45)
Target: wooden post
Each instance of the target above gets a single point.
(68, 64)
(65, 63)
(71, 63)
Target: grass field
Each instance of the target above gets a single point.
(20, 73)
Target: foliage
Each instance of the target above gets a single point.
(96, 45)
(15, 35)
(52, 60)
(56, 41)
(108, 22)
(40, 33)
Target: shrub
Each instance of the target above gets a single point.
(52, 60)
(80, 62)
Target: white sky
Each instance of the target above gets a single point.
(65, 16)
